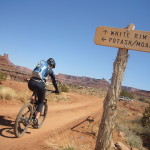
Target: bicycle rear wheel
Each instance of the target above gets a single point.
(23, 119)
(42, 115)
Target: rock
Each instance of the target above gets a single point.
(121, 146)
(134, 149)
(121, 134)
(113, 147)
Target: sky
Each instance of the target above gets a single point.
(34, 30)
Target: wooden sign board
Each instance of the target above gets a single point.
(123, 38)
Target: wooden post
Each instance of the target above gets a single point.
(107, 124)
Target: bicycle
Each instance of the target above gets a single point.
(26, 116)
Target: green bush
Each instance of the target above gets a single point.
(126, 94)
(134, 141)
(144, 100)
(64, 88)
(3, 76)
(146, 118)
(68, 148)
(131, 128)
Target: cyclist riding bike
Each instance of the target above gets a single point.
(37, 83)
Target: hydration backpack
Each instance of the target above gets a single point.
(40, 70)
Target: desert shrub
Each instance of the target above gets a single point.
(126, 94)
(146, 118)
(57, 98)
(144, 100)
(23, 96)
(131, 138)
(80, 88)
(121, 127)
(7, 93)
(136, 126)
(131, 128)
(134, 141)
(64, 88)
(68, 148)
(3, 76)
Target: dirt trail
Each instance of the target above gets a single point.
(60, 116)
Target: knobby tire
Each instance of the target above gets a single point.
(23, 119)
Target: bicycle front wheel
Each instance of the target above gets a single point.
(23, 119)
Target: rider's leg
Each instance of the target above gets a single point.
(35, 121)
(37, 115)
(41, 97)
(39, 87)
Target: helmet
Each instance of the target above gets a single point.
(51, 62)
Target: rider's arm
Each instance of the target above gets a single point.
(54, 83)
(51, 74)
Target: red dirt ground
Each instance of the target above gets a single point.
(61, 116)
(66, 122)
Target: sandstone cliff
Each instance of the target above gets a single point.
(82, 81)
(13, 71)
(22, 74)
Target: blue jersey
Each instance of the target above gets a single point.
(40, 70)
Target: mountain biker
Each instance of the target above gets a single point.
(38, 84)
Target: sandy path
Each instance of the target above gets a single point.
(60, 116)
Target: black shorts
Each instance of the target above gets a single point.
(39, 87)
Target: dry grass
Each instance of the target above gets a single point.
(7, 93)
(23, 96)
(62, 142)
(134, 140)
(57, 98)
(82, 137)
(69, 140)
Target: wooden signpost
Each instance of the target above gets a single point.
(124, 39)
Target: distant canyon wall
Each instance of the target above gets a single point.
(20, 73)
(13, 71)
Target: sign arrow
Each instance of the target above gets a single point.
(105, 31)
(103, 39)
